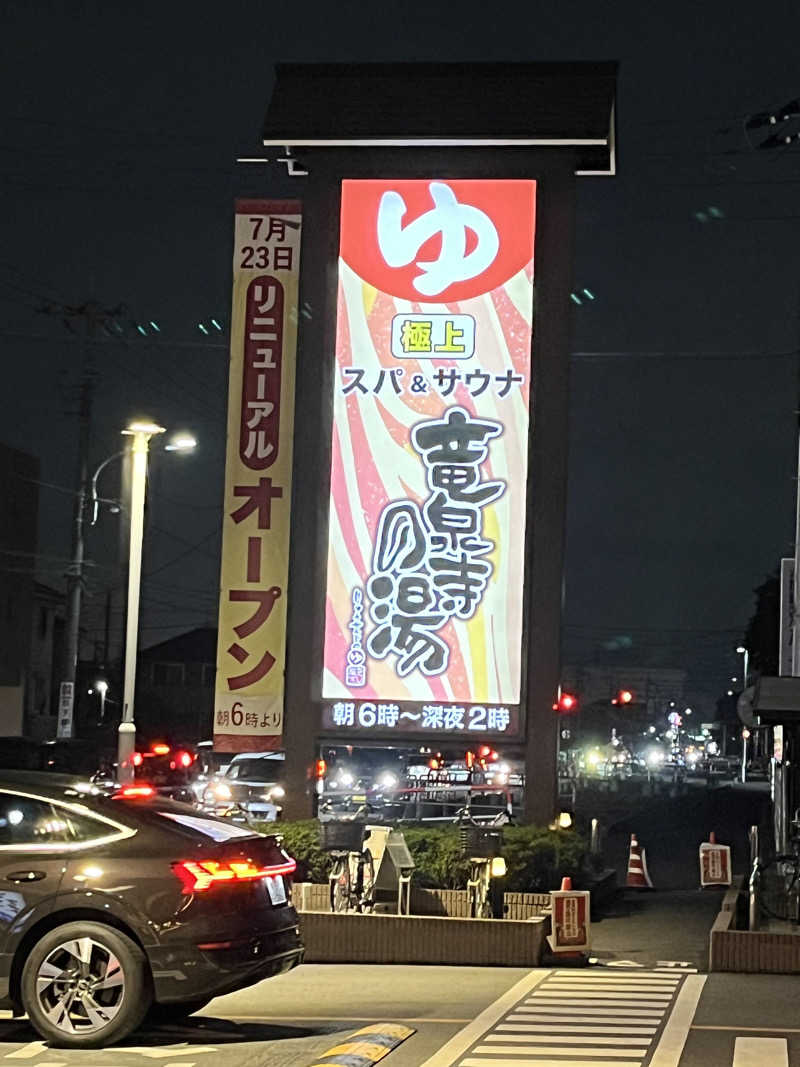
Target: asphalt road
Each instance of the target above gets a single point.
(288, 1021)
(471, 1017)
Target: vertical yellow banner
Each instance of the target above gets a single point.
(251, 650)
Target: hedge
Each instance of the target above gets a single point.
(536, 858)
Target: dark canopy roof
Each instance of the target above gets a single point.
(556, 105)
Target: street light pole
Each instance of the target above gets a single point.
(126, 741)
(102, 689)
(796, 579)
(745, 733)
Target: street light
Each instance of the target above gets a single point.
(141, 432)
(742, 651)
(102, 689)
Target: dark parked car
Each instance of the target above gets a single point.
(116, 904)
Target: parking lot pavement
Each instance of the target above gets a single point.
(289, 1021)
(745, 1020)
(468, 1017)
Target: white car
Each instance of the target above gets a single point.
(250, 785)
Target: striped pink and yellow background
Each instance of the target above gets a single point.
(373, 463)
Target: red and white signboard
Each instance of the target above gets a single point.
(715, 864)
(571, 926)
(429, 469)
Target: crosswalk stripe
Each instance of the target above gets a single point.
(619, 974)
(618, 979)
(561, 1050)
(571, 1019)
(761, 1052)
(616, 988)
(610, 1002)
(565, 1026)
(602, 993)
(542, 1039)
(597, 1012)
(670, 1046)
(494, 1061)
(614, 976)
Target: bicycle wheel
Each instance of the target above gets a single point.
(480, 903)
(484, 900)
(366, 892)
(340, 890)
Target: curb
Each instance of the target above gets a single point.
(365, 1046)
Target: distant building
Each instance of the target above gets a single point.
(19, 492)
(654, 687)
(175, 686)
(653, 692)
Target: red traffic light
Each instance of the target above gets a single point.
(624, 696)
(567, 704)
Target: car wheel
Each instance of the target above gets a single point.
(85, 985)
(161, 1014)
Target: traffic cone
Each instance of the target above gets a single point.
(638, 876)
(566, 884)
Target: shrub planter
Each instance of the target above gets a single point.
(350, 938)
(749, 951)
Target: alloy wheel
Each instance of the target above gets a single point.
(80, 986)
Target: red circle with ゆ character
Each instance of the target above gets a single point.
(509, 204)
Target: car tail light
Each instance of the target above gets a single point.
(184, 759)
(137, 759)
(197, 876)
(160, 749)
(135, 791)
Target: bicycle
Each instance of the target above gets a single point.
(481, 843)
(351, 878)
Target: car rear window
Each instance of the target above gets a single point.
(216, 829)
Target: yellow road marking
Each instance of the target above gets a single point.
(357, 1048)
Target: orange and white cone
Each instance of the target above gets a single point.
(638, 875)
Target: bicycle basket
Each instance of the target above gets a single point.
(481, 842)
(341, 835)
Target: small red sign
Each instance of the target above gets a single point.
(570, 921)
(715, 865)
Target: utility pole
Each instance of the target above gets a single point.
(92, 316)
(796, 604)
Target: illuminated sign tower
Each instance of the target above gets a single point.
(430, 427)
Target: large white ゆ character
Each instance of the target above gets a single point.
(400, 244)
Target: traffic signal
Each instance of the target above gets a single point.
(567, 704)
(624, 696)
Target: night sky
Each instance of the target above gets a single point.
(120, 130)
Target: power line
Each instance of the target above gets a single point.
(182, 555)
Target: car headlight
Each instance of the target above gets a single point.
(218, 791)
(276, 793)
